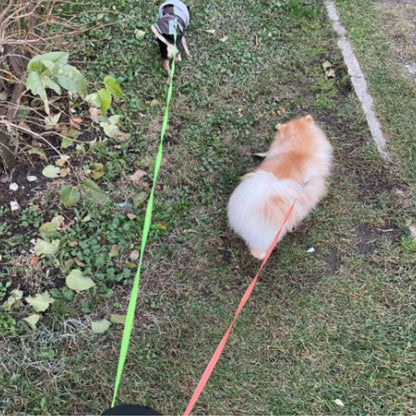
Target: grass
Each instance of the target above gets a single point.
(324, 327)
(383, 38)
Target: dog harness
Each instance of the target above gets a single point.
(165, 25)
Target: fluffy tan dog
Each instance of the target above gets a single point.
(296, 168)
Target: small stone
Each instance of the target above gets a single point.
(13, 186)
(32, 178)
(310, 250)
(14, 205)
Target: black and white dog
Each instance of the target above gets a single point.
(171, 12)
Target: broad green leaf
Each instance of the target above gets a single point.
(44, 247)
(36, 66)
(111, 130)
(38, 151)
(51, 171)
(139, 198)
(58, 221)
(15, 296)
(80, 148)
(113, 86)
(115, 119)
(68, 137)
(40, 302)
(97, 170)
(99, 327)
(118, 319)
(52, 121)
(70, 195)
(78, 282)
(93, 99)
(157, 101)
(47, 230)
(35, 84)
(105, 100)
(71, 79)
(115, 250)
(141, 105)
(66, 142)
(73, 133)
(139, 34)
(94, 192)
(48, 60)
(134, 255)
(32, 320)
(110, 126)
(50, 83)
(92, 186)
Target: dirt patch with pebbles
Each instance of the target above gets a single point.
(21, 185)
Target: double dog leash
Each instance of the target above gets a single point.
(128, 326)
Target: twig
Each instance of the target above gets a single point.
(31, 133)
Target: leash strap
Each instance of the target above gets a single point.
(211, 365)
(128, 326)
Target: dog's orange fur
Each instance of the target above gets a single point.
(296, 168)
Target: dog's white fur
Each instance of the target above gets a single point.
(296, 168)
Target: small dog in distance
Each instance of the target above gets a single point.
(171, 13)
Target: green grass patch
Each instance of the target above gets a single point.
(382, 35)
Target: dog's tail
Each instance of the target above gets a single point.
(258, 206)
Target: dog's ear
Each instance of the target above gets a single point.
(309, 118)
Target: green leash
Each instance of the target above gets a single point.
(128, 326)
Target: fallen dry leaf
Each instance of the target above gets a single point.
(94, 113)
(328, 69)
(74, 124)
(79, 262)
(64, 172)
(62, 161)
(34, 260)
(135, 178)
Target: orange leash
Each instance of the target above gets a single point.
(211, 365)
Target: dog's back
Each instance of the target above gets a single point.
(295, 168)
